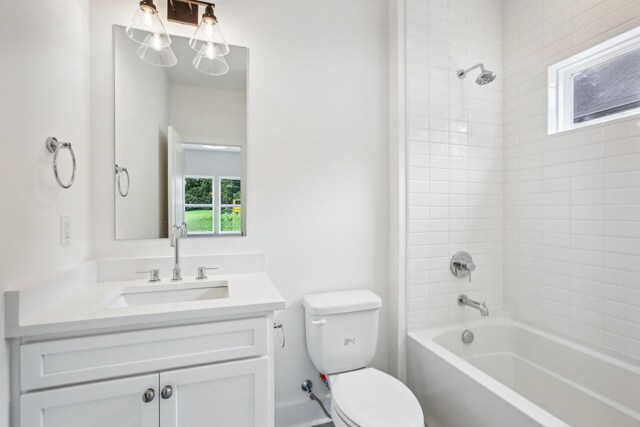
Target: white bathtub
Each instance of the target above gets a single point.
(513, 375)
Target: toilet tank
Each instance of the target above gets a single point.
(342, 329)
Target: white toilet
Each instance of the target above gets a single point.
(342, 332)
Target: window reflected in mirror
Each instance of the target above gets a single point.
(213, 203)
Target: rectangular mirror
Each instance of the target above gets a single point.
(180, 143)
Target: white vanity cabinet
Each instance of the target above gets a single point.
(201, 375)
(103, 404)
(225, 394)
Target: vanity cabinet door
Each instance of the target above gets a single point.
(102, 404)
(234, 394)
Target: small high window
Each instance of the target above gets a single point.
(597, 85)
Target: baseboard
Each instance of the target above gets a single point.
(301, 413)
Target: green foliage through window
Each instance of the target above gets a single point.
(230, 220)
(197, 191)
(229, 191)
(199, 220)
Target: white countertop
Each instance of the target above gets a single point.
(87, 309)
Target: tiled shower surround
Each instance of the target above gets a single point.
(455, 156)
(572, 200)
(553, 222)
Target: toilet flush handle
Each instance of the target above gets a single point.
(319, 322)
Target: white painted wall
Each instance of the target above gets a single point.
(44, 82)
(207, 112)
(454, 156)
(142, 119)
(397, 287)
(572, 200)
(317, 156)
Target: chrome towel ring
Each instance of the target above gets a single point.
(55, 147)
(119, 171)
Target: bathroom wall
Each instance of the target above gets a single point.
(208, 112)
(396, 161)
(317, 157)
(455, 191)
(572, 200)
(44, 87)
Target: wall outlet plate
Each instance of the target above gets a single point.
(65, 230)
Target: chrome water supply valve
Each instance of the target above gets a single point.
(307, 385)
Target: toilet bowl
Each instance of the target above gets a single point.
(370, 398)
(342, 332)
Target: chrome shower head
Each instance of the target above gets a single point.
(484, 78)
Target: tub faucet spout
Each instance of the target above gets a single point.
(482, 307)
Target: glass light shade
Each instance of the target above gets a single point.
(145, 22)
(209, 32)
(210, 61)
(153, 53)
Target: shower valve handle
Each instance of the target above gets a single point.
(462, 265)
(469, 266)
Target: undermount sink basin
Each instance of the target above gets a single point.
(171, 293)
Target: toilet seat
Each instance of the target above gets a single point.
(371, 398)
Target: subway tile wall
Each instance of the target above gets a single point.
(571, 200)
(455, 156)
(553, 222)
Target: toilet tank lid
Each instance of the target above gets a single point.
(341, 302)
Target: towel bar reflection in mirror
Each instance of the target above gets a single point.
(119, 171)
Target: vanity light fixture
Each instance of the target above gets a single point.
(147, 29)
(156, 55)
(210, 61)
(208, 32)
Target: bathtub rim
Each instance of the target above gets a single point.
(624, 360)
(425, 337)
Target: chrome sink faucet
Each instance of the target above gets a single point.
(464, 300)
(177, 232)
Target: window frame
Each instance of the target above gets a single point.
(221, 205)
(560, 81)
(185, 205)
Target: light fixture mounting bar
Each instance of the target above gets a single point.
(185, 11)
(172, 5)
(197, 2)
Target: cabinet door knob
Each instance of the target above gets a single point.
(166, 392)
(148, 395)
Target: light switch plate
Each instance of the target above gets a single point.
(65, 230)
